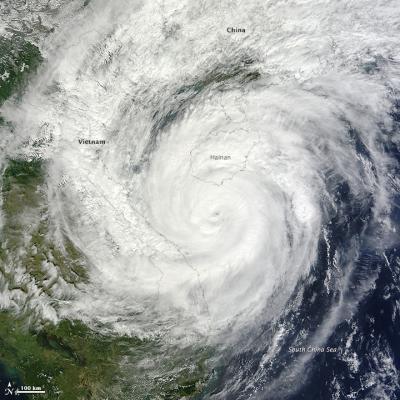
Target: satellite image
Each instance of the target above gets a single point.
(200, 200)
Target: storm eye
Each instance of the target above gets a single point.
(198, 199)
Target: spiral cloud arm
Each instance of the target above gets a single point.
(207, 172)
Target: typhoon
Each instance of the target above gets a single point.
(208, 193)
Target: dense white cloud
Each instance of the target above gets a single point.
(185, 241)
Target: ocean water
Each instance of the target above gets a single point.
(232, 194)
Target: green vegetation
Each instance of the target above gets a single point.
(190, 380)
(24, 199)
(153, 371)
(18, 59)
(68, 360)
(73, 362)
(29, 173)
(20, 183)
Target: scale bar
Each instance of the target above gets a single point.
(31, 391)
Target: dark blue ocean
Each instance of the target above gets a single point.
(358, 317)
